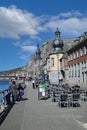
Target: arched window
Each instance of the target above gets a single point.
(52, 62)
(84, 50)
(81, 51)
(78, 70)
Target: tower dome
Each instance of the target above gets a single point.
(58, 42)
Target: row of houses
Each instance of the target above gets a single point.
(77, 62)
(68, 64)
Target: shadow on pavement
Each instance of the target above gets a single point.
(23, 99)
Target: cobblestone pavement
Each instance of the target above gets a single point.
(32, 114)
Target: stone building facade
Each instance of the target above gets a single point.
(77, 63)
(55, 68)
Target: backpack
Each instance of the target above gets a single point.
(21, 92)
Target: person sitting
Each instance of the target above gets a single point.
(73, 89)
(20, 91)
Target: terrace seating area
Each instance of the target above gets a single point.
(66, 96)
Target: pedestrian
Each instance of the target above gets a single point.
(14, 91)
(60, 79)
(33, 84)
(20, 91)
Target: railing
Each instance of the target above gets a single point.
(4, 106)
(3, 94)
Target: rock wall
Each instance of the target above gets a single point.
(47, 47)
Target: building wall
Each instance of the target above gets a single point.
(55, 72)
(64, 64)
(56, 65)
(77, 65)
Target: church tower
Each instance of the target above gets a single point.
(55, 67)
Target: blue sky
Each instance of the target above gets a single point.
(26, 23)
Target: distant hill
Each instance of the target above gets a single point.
(11, 71)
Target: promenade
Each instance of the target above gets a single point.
(31, 114)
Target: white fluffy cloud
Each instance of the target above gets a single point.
(70, 24)
(29, 48)
(26, 50)
(16, 22)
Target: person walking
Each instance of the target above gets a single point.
(33, 84)
(14, 91)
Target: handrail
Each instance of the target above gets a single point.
(4, 90)
(3, 94)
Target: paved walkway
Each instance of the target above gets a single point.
(32, 114)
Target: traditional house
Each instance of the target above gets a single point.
(77, 62)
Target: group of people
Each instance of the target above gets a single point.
(17, 91)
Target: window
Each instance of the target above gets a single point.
(75, 71)
(78, 70)
(72, 73)
(81, 51)
(69, 57)
(84, 50)
(74, 55)
(84, 64)
(77, 53)
(72, 70)
(52, 62)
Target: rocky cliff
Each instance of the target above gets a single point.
(47, 47)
